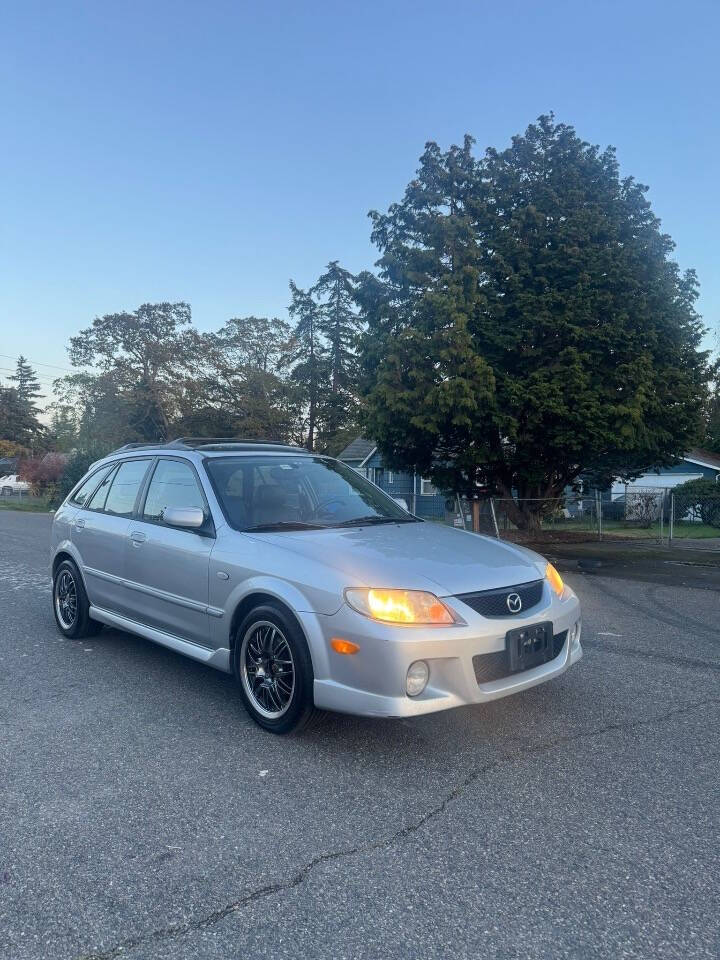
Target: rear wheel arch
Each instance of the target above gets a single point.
(64, 554)
(58, 559)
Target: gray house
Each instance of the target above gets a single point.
(421, 497)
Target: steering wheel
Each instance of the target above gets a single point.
(321, 507)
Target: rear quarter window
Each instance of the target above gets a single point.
(86, 488)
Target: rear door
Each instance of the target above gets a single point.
(168, 567)
(100, 534)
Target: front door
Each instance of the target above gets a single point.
(167, 568)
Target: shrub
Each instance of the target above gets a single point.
(698, 500)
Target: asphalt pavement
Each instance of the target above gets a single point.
(143, 815)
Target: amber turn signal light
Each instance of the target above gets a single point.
(343, 646)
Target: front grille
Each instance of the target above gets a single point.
(494, 603)
(496, 666)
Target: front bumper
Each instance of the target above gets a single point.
(372, 681)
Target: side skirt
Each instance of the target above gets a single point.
(220, 658)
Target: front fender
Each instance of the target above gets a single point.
(290, 596)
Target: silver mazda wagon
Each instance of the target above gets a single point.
(308, 583)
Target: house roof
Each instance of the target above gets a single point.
(704, 457)
(358, 449)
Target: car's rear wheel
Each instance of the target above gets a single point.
(273, 668)
(70, 603)
(7, 491)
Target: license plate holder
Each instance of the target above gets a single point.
(530, 646)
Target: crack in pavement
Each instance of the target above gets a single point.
(638, 653)
(295, 880)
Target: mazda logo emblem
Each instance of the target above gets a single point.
(514, 602)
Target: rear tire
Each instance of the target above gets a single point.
(70, 603)
(7, 491)
(272, 665)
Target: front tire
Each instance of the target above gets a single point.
(272, 666)
(70, 603)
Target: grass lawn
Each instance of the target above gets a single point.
(617, 529)
(26, 506)
(680, 530)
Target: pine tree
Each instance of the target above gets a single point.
(339, 323)
(21, 411)
(307, 355)
(27, 385)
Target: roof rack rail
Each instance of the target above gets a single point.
(137, 446)
(194, 443)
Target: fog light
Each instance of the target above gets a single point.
(417, 678)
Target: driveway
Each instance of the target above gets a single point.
(144, 816)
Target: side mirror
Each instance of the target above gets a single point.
(188, 517)
(401, 503)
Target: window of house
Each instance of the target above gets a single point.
(390, 477)
(427, 487)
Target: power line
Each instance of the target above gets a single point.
(37, 363)
(42, 377)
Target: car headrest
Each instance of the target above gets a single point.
(270, 496)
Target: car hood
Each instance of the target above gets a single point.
(414, 556)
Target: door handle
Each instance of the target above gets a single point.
(138, 537)
(79, 524)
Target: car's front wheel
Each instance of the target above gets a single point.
(70, 603)
(7, 491)
(273, 668)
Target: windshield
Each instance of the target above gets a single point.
(297, 492)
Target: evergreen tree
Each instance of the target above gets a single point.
(63, 428)
(307, 356)
(339, 323)
(27, 385)
(17, 426)
(711, 439)
(21, 408)
(528, 324)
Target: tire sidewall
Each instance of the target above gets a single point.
(82, 614)
(301, 704)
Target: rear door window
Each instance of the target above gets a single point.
(84, 491)
(125, 487)
(97, 500)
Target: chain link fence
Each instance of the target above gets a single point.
(638, 513)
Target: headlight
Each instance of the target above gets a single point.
(554, 579)
(399, 606)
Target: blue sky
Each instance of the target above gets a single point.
(209, 151)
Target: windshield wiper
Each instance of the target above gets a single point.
(285, 525)
(371, 518)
